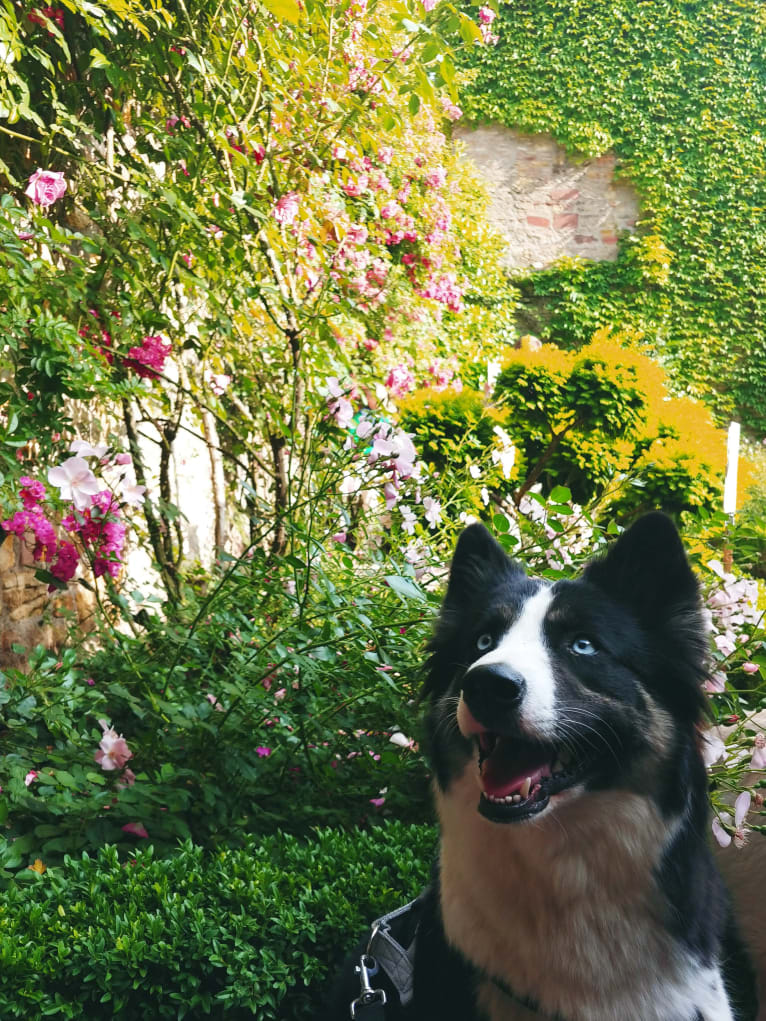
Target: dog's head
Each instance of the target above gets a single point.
(547, 690)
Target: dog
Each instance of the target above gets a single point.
(575, 880)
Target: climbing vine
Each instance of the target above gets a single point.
(677, 92)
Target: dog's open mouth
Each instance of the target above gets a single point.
(518, 778)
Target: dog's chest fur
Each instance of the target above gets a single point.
(566, 911)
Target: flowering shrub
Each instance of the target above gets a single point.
(92, 516)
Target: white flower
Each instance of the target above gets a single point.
(433, 511)
(398, 738)
(76, 481)
(408, 520)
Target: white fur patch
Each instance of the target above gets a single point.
(523, 649)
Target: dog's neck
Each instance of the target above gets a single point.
(564, 910)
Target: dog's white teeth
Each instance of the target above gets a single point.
(517, 798)
(524, 789)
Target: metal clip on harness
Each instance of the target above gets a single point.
(368, 1006)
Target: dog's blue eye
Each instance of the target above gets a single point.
(484, 642)
(583, 647)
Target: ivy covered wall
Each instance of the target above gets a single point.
(677, 91)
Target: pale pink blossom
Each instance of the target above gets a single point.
(720, 834)
(132, 493)
(113, 750)
(127, 779)
(136, 828)
(713, 749)
(31, 776)
(750, 668)
(76, 481)
(218, 382)
(741, 808)
(400, 380)
(433, 511)
(758, 761)
(45, 187)
(286, 209)
(81, 448)
(377, 802)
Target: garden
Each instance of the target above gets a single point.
(261, 363)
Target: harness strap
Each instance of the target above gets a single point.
(397, 962)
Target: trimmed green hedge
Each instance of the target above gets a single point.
(255, 931)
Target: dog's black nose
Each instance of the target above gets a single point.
(492, 689)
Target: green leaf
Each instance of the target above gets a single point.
(405, 587)
(560, 494)
(284, 10)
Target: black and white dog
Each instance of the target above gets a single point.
(575, 880)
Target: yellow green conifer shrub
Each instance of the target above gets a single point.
(601, 420)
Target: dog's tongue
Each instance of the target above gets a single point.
(507, 769)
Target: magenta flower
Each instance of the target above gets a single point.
(377, 802)
(32, 492)
(262, 752)
(486, 15)
(148, 360)
(31, 776)
(43, 531)
(65, 565)
(45, 187)
(286, 208)
(136, 828)
(113, 750)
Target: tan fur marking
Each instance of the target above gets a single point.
(564, 905)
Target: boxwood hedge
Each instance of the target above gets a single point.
(235, 934)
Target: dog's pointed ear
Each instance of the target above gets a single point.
(646, 569)
(478, 557)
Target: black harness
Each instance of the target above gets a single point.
(385, 953)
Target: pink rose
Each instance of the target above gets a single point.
(45, 187)
(113, 750)
(286, 208)
(136, 828)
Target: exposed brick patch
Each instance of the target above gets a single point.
(565, 221)
(565, 194)
(546, 204)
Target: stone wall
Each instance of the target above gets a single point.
(546, 204)
(29, 616)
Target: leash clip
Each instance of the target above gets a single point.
(367, 966)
